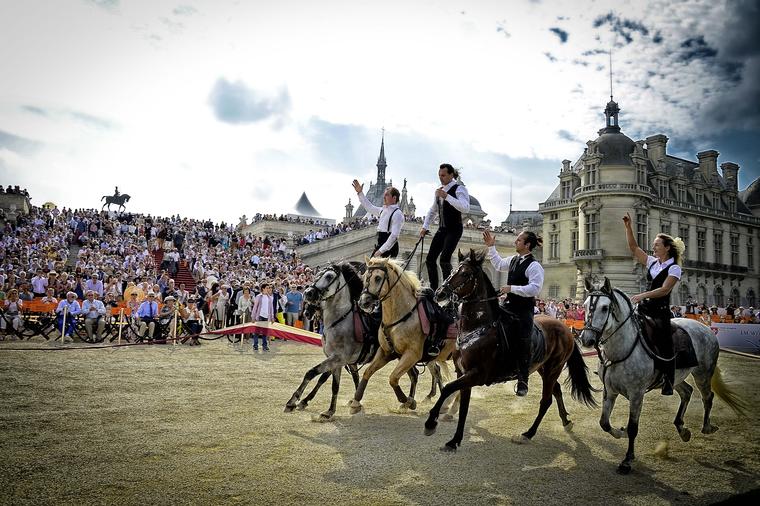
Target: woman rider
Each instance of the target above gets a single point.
(663, 273)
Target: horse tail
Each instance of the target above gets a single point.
(722, 390)
(577, 377)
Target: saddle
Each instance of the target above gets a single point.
(507, 341)
(437, 323)
(685, 355)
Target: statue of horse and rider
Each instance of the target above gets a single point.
(117, 198)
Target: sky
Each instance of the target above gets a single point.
(214, 109)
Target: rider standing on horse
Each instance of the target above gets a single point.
(390, 220)
(663, 273)
(524, 283)
(450, 201)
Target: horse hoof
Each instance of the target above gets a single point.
(289, 408)
(569, 427)
(709, 429)
(448, 417)
(427, 400)
(355, 408)
(411, 404)
(521, 439)
(324, 417)
(624, 468)
(302, 405)
(429, 431)
(449, 447)
(617, 433)
(685, 435)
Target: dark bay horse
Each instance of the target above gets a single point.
(119, 201)
(483, 357)
(334, 293)
(626, 364)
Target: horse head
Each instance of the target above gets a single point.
(375, 280)
(125, 197)
(462, 283)
(328, 283)
(599, 305)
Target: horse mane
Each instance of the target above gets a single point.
(479, 257)
(353, 279)
(408, 276)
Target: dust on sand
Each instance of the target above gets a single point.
(165, 424)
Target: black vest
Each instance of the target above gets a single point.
(661, 303)
(517, 276)
(449, 217)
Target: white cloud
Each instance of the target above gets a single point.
(120, 95)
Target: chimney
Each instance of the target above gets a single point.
(708, 164)
(656, 145)
(566, 165)
(730, 175)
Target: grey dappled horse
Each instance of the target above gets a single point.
(335, 292)
(626, 367)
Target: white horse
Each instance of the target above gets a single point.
(626, 364)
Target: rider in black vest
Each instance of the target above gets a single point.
(663, 273)
(390, 220)
(524, 282)
(451, 200)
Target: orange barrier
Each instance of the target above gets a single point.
(37, 306)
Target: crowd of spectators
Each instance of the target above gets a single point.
(115, 261)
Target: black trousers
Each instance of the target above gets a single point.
(663, 335)
(443, 245)
(520, 328)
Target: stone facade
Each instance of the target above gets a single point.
(14, 204)
(583, 230)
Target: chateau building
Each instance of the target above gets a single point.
(583, 229)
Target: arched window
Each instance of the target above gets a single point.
(701, 294)
(683, 294)
(718, 294)
(751, 298)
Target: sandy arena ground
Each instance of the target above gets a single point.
(205, 425)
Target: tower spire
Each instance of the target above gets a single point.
(381, 165)
(611, 100)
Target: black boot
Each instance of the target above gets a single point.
(523, 368)
(668, 376)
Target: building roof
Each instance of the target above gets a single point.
(304, 207)
(615, 148)
(750, 196)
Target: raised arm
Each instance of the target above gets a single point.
(638, 253)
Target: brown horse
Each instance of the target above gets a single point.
(483, 356)
(401, 335)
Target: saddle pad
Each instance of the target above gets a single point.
(358, 328)
(451, 331)
(537, 345)
(685, 355)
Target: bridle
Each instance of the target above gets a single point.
(594, 300)
(451, 291)
(321, 291)
(469, 276)
(386, 277)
